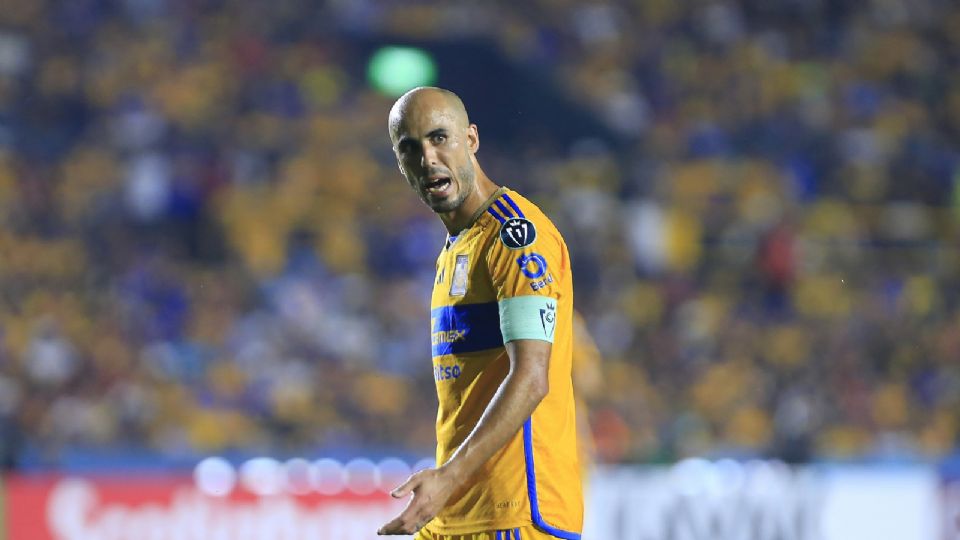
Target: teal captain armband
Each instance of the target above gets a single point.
(528, 317)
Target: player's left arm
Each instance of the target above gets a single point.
(521, 391)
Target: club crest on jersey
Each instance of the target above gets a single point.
(458, 285)
(517, 233)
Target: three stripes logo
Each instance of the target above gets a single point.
(516, 231)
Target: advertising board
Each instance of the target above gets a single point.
(692, 500)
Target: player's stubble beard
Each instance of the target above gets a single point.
(466, 182)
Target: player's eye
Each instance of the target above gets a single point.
(439, 138)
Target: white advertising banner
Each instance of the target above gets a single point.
(727, 500)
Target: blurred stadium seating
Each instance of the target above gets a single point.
(206, 248)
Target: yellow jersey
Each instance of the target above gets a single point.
(506, 276)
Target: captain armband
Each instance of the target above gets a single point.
(528, 317)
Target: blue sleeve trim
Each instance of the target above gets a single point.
(495, 214)
(513, 205)
(532, 488)
(503, 209)
(516, 534)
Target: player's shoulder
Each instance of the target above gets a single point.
(518, 221)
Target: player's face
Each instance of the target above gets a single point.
(434, 152)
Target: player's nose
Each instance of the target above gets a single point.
(428, 158)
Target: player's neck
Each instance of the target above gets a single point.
(466, 213)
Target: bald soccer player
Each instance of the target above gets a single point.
(501, 337)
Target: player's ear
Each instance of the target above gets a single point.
(396, 154)
(403, 173)
(473, 138)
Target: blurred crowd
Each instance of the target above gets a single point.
(205, 245)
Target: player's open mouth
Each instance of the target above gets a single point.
(438, 186)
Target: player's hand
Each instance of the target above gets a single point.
(431, 489)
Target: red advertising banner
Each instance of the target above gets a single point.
(172, 508)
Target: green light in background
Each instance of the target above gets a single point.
(394, 70)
